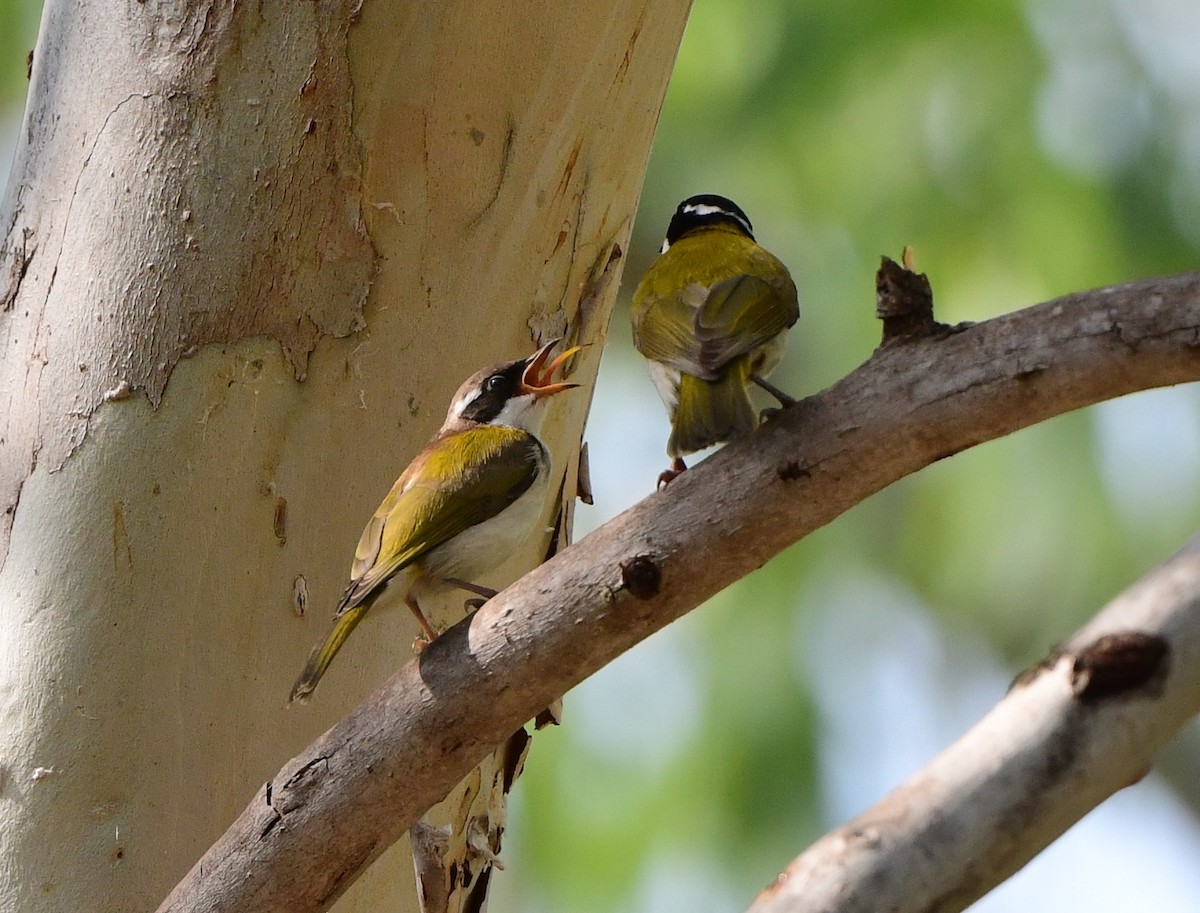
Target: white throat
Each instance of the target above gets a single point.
(525, 411)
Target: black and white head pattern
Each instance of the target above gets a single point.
(706, 209)
(486, 395)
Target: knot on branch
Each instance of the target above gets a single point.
(1119, 663)
(641, 576)
(903, 300)
(791, 470)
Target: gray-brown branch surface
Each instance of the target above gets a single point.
(922, 396)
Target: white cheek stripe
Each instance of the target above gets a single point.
(707, 209)
(463, 401)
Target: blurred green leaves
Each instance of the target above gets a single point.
(1026, 151)
(18, 29)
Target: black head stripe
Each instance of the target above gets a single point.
(496, 388)
(707, 209)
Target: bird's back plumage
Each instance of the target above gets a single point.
(712, 310)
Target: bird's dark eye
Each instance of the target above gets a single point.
(497, 383)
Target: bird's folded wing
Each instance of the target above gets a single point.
(740, 314)
(701, 329)
(664, 330)
(495, 465)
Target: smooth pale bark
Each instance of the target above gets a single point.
(249, 252)
(1072, 732)
(346, 797)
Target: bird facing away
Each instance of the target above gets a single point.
(711, 315)
(464, 503)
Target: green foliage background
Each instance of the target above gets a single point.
(1026, 151)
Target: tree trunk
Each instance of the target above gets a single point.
(249, 253)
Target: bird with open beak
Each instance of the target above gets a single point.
(464, 503)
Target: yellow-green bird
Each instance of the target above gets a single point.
(712, 315)
(463, 505)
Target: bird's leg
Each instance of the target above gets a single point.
(483, 592)
(430, 632)
(784, 400)
(678, 468)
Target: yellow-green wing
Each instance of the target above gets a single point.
(710, 298)
(741, 314)
(496, 465)
(664, 328)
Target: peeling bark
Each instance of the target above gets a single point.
(248, 253)
(176, 202)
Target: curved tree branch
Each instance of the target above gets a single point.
(921, 397)
(1072, 732)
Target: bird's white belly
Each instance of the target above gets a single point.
(479, 549)
(666, 382)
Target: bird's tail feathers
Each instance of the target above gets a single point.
(712, 411)
(323, 654)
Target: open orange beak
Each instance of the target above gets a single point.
(537, 375)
